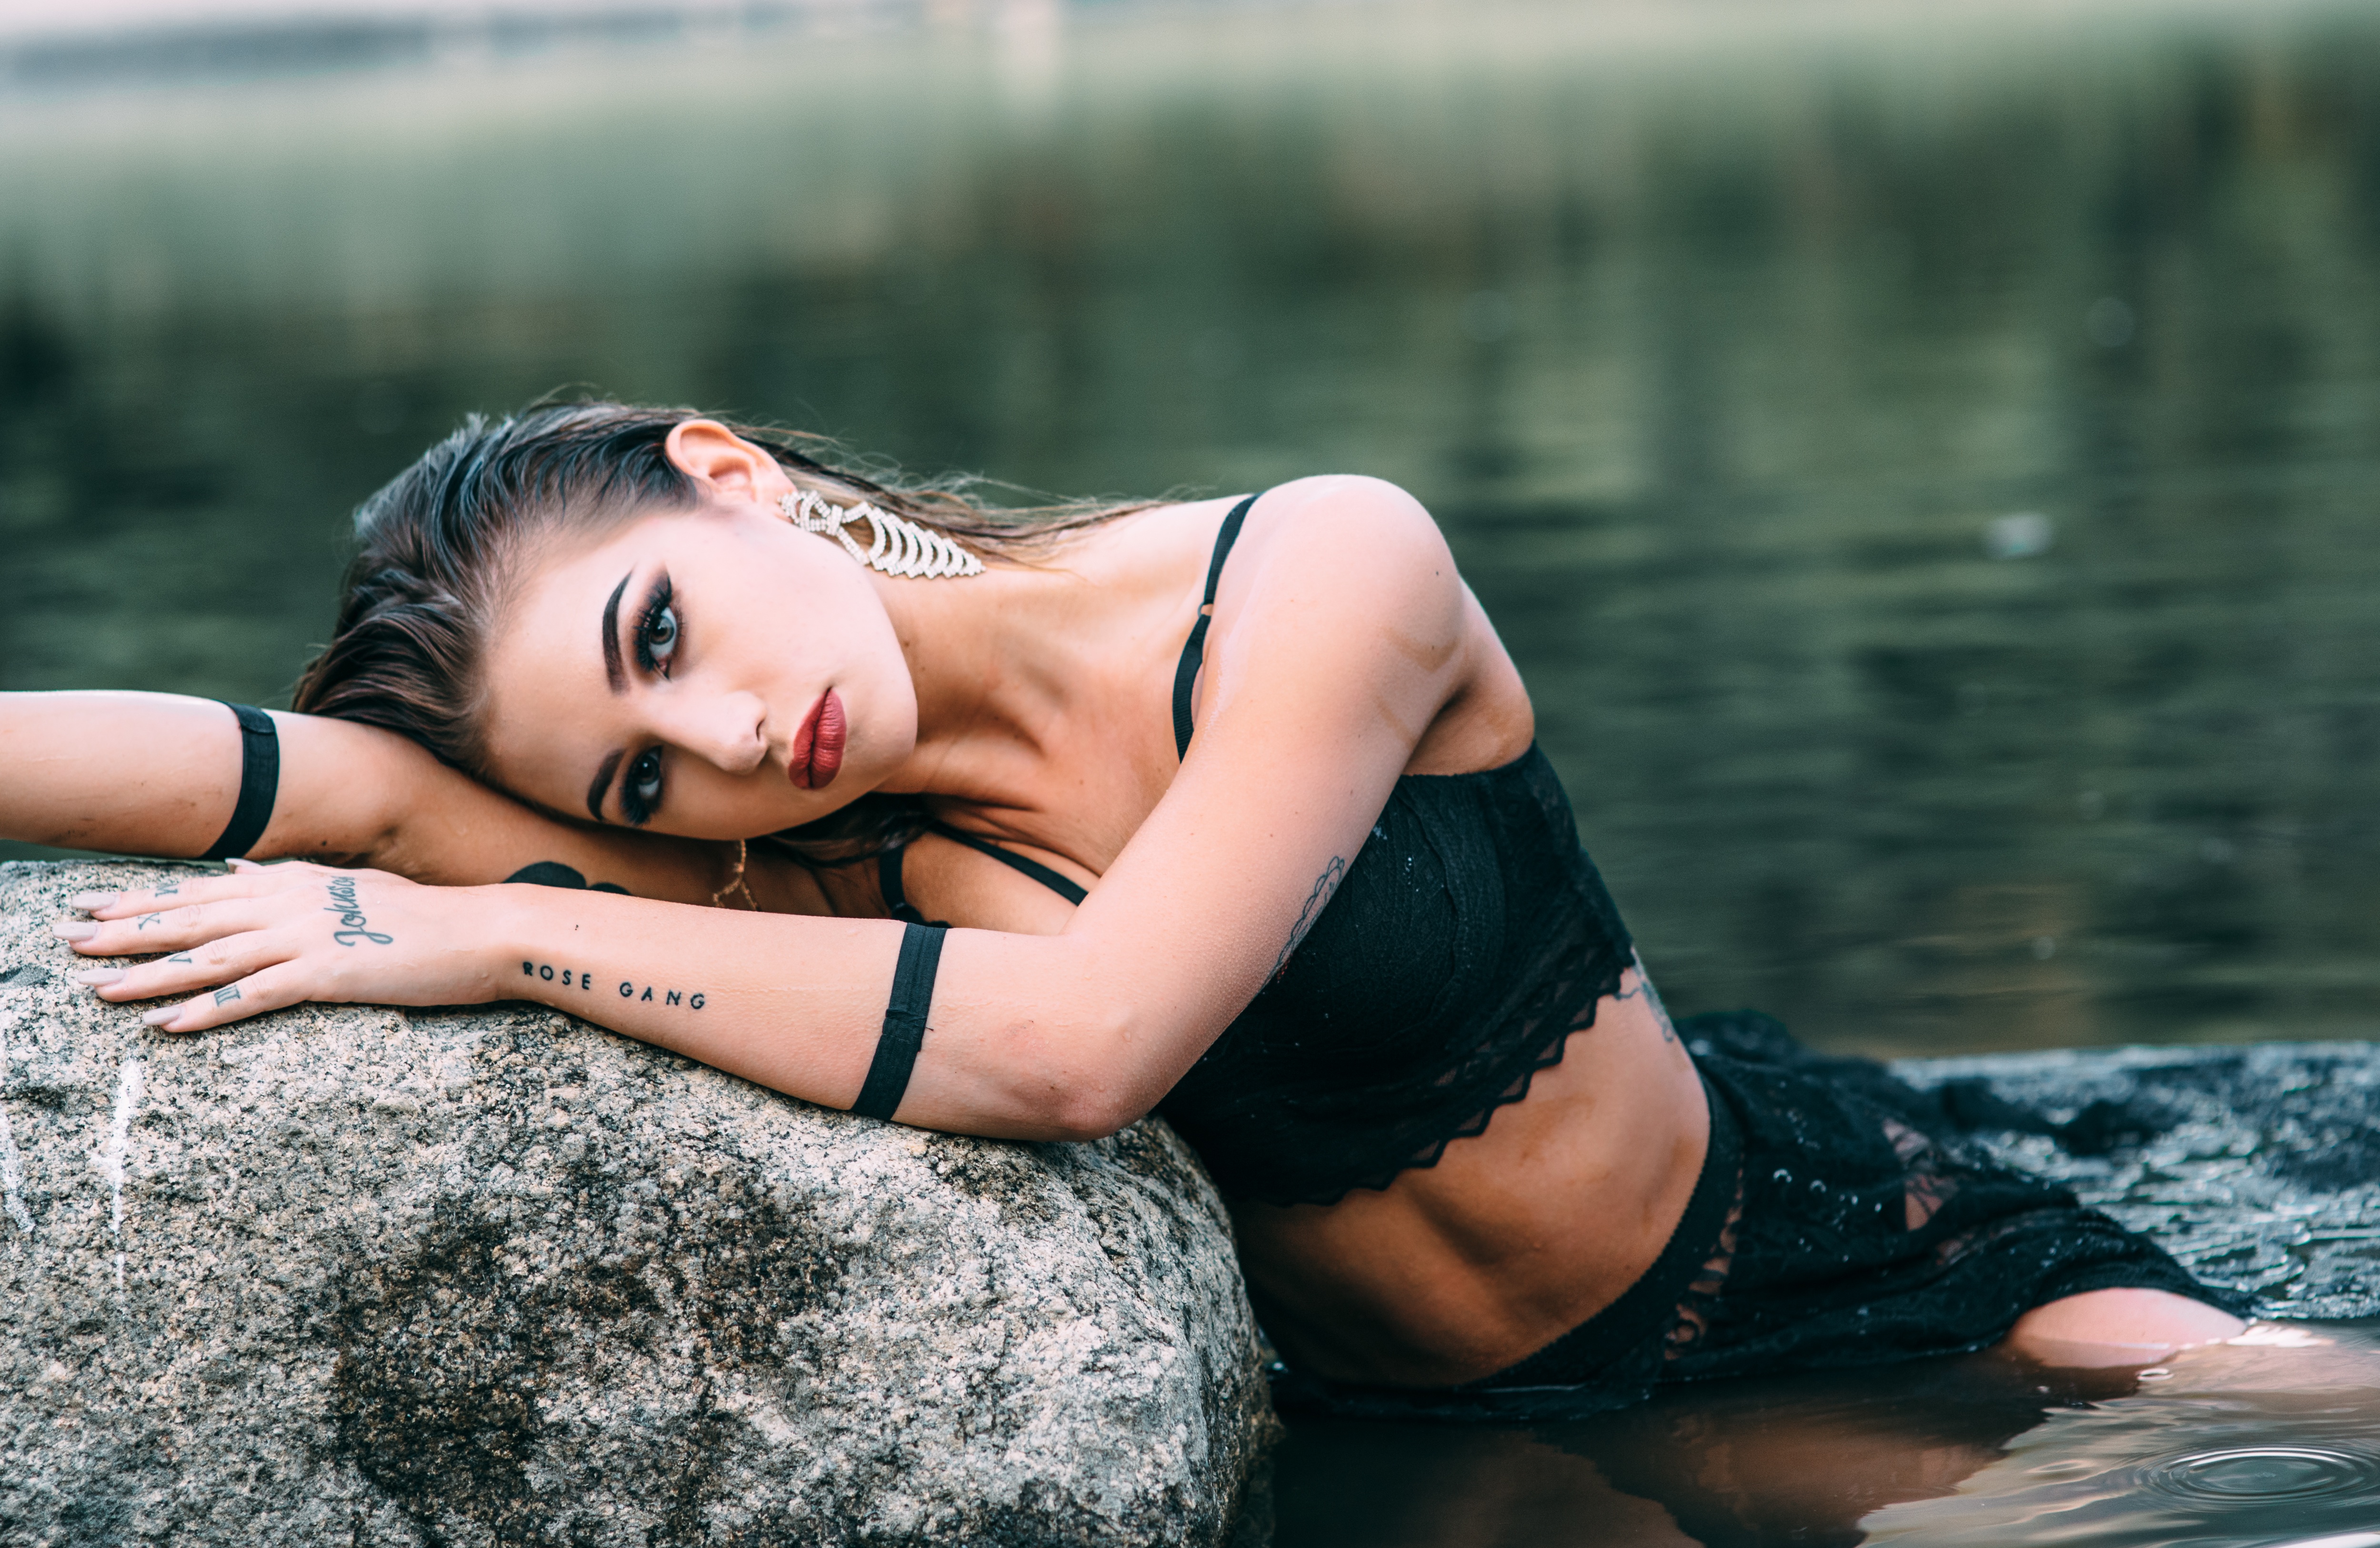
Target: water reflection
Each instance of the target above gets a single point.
(2226, 1447)
(1925, 480)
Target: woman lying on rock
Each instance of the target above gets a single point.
(1234, 814)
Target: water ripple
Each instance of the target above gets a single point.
(2262, 1474)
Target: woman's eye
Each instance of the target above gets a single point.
(641, 791)
(657, 638)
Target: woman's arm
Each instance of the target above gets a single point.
(157, 774)
(1341, 632)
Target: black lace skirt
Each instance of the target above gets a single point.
(1839, 1220)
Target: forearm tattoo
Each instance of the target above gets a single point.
(579, 978)
(1316, 901)
(553, 873)
(1644, 991)
(354, 926)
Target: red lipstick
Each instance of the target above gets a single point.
(816, 753)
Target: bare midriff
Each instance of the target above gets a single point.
(1518, 1235)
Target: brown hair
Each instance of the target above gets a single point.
(438, 540)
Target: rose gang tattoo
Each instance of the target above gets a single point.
(570, 978)
(354, 926)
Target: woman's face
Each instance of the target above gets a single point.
(714, 672)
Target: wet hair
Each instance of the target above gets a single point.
(440, 544)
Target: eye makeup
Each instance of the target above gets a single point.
(654, 637)
(640, 787)
(658, 629)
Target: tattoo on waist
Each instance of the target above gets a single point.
(1644, 991)
(579, 978)
(351, 916)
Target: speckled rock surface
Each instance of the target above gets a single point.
(494, 1277)
(2259, 1167)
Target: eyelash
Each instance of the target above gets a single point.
(649, 627)
(635, 807)
(646, 768)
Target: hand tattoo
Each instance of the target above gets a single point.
(343, 903)
(182, 958)
(146, 920)
(227, 994)
(1316, 901)
(580, 978)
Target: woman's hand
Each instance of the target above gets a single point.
(268, 937)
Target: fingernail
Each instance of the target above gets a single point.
(75, 930)
(162, 1015)
(87, 901)
(91, 978)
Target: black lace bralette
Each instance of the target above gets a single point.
(1470, 936)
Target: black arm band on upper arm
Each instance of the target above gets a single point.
(904, 1021)
(260, 781)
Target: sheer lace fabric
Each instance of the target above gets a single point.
(1860, 1230)
(1469, 937)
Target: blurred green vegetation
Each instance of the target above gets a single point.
(1926, 474)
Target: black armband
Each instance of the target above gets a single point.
(260, 783)
(904, 1021)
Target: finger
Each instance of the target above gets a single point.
(201, 967)
(248, 882)
(253, 995)
(167, 930)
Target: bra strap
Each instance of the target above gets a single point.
(888, 882)
(1061, 884)
(1194, 653)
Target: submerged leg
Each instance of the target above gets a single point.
(2102, 1328)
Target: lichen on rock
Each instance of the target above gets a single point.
(493, 1275)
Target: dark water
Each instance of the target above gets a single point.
(1924, 465)
(2226, 1448)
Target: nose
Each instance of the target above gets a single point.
(727, 730)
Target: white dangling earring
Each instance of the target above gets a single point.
(902, 547)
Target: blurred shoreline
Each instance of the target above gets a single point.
(52, 44)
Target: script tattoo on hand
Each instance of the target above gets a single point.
(1644, 991)
(354, 926)
(1316, 901)
(579, 978)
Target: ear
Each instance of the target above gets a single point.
(724, 464)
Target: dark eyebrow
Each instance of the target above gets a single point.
(602, 784)
(612, 667)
